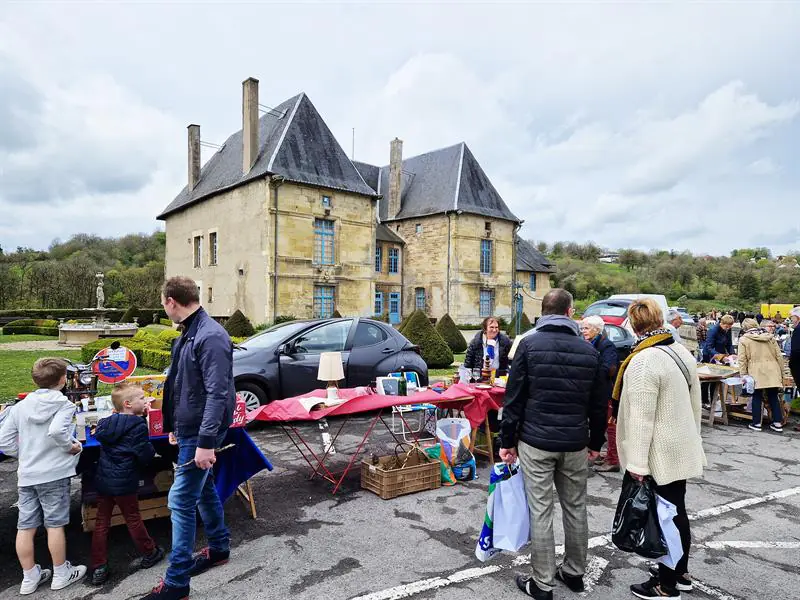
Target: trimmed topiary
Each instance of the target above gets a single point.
(524, 325)
(130, 314)
(336, 314)
(403, 322)
(435, 351)
(284, 319)
(238, 325)
(450, 333)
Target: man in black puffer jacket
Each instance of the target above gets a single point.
(555, 406)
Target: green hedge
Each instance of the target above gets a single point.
(168, 335)
(451, 334)
(59, 313)
(166, 322)
(151, 354)
(156, 359)
(284, 319)
(420, 331)
(32, 326)
(238, 325)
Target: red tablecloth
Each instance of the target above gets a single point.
(475, 403)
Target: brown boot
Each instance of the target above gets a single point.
(606, 468)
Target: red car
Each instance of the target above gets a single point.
(612, 310)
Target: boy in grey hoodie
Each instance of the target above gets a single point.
(39, 432)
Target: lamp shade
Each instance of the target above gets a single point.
(330, 366)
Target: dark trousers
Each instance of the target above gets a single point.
(706, 392)
(675, 492)
(774, 405)
(129, 507)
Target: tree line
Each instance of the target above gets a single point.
(748, 277)
(63, 276)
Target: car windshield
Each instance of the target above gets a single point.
(273, 335)
(604, 309)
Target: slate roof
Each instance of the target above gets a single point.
(294, 142)
(530, 259)
(385, 234)
(435, 182)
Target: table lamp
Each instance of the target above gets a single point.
(330, 370)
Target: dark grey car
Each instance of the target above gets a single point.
(282, 361)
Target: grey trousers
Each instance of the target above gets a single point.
(569, 471)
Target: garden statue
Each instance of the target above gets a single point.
(101, 297)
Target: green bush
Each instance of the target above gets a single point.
(451, 334)
(168, 335)
(435, 351)
(284, 319)
(148, 316)
(130, 314)
(469, 326)
(165, 322)
(524, 325)
(336, 314)
(156, 359)
(59, 313)
(238, 325)
(403, 322)
(89, 350)
(260, 327)
(31, 326)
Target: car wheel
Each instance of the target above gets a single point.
(252, 394)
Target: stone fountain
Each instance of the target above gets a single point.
(78, 334)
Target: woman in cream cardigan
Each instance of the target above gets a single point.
(658, 429)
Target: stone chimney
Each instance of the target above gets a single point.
(249, 123)
(194, 155)
(395, 177)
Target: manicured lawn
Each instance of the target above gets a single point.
(449, 371)
(25, 337)
(15, 370)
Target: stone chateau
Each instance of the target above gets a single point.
(281, 222)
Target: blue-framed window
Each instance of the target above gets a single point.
(486, 257)
(324, 296)
(323, 242)
(394, 306)
(378, 258)
(378, 303)
(326, 201)
(533, 282)
(394, 260)
(486, 303)
(419, 298)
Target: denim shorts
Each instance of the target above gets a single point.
(44, 504)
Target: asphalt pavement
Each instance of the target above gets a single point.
(308, 544)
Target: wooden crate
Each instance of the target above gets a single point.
(418, 474)
(150, 508)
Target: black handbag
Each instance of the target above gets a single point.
(636, 528)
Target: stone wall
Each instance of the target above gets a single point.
(532, 300)
(238, 280)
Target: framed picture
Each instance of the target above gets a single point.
(388, 386)
(412, 379)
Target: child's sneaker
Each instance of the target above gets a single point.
(100, 575)
(30, 585)
(66, 575)
(150, 560)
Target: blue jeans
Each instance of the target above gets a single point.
(774, 404)
(193, 490)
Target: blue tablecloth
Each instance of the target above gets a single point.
(233, 467)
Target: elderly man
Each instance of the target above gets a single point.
(674, 322)
(794, 351)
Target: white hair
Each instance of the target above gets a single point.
(672, 315)
(795, 312)
(594, 322)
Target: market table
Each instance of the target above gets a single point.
(716, 375)
(358, 401)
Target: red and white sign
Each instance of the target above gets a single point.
(239, 413)
(113, 365)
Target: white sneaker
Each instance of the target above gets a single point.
(776, 427)
(73, 574)
(31, 585)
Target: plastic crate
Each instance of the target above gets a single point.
(394, 476)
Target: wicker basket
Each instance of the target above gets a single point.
(395, 475)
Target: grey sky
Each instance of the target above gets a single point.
(659, 126)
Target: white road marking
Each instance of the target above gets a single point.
(594, 571)
(724, 545)
(408, 590)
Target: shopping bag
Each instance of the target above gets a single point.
(666, 513)
(436, 452)
(453, 433)
(636, 528)
(485, 548)
(512, 525)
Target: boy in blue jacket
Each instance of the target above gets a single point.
(126, 448)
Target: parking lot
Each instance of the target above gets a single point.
(307, 544)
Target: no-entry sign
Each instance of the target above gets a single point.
(113, 365)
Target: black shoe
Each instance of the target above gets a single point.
(164, 592)
(527, 585)
(207, 558)
(100, 575)
(684, 582)
(652, 590)
(150, 560)
(573, 582)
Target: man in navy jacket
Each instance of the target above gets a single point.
(794, 356)
(199, 399)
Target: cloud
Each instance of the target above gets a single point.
(763, 166)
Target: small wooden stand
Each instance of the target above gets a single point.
(245, 493)
(483, 450)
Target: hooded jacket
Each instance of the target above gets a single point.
(761, 358)
(39, 431)
(556, 398)
(126, 447)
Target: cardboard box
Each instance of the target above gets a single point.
(155, 421)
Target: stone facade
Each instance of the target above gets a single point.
(532, 298)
